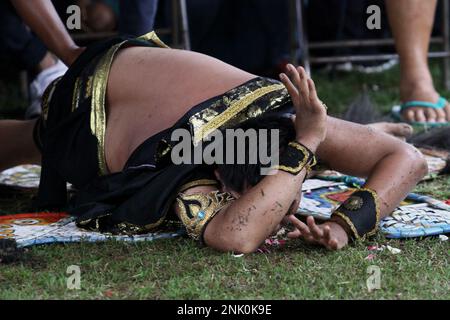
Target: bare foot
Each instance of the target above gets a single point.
(423, 91)
(399, 130)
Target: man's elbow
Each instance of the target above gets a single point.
(416, 161)
(233, 243)
(243, 245)
(246, 247)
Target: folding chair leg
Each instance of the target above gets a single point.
(184, 24)
(446, 36)
(23, 78)
(302, 38)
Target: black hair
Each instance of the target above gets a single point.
(239, 176)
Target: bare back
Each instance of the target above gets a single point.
(149, 89)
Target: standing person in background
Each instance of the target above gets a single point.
(226, 28)
(129, 17)
(31, 51)
(411, 23)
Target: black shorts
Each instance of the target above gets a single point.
(71, 130)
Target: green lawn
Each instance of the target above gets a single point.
(179, 269)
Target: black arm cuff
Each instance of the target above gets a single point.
(361, 213)
(295, 158)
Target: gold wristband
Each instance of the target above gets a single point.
(295, 158)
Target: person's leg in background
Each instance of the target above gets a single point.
(411, 23)
(16, 40)
(137, 17)
(17, 145)
(30, 53)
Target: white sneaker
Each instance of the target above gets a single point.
(38, 86)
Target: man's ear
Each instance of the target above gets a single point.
(223, 187)
(217, 175)
(219, 178)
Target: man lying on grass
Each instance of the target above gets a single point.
(107, 129)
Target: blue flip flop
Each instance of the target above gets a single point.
(440, 104)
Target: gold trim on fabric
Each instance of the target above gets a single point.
(196, 210)
(88, 91)
(98, 103)
(47, 97)
(377, 217)
(377, 211)
(152, 36)
(349, 223)
(302, 164)
(76, 94)
(98, 91)
(196, 183)
(234, 108)
(129, 228)
(86, 222)
(124, 227)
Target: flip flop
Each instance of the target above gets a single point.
(440, 104)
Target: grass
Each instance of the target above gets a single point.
(179, 269)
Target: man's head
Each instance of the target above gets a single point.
(239, 177)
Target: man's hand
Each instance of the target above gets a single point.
(311, 113)
(329, 234)
(42, 18)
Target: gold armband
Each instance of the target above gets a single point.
(196, 210)
(295, 158)
(360, 213)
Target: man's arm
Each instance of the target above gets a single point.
(245, 223)
(391, 166)
(42, 18)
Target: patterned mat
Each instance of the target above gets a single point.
(29, 229)
(26, 176)
(411, 219)
(319, 200)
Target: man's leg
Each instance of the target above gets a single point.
(17, 145)
(411, 23)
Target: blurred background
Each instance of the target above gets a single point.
(329, 37)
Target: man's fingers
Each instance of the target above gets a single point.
(301, 226)
(312, 91)
(333, 244)
(294, 234)
(315, 230)
(292, 74)
(292, 90)
(314, 100)
(295, 78)
(303, 83)
(326, 233)
(313, 97)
